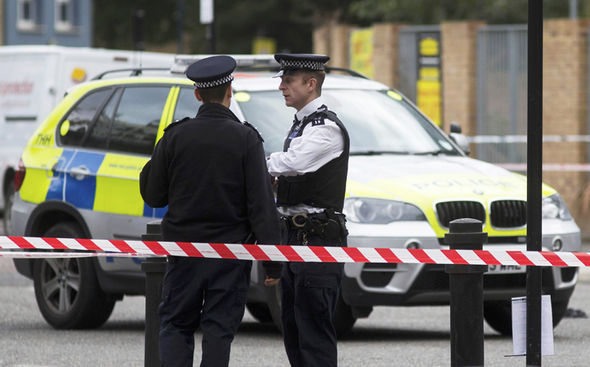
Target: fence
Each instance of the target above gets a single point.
(502, 91)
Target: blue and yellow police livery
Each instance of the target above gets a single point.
(406, 181)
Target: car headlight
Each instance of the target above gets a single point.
(555, 208)
(379, 211)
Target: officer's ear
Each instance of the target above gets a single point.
(310, 81)
(227, 97)
(228, 92)
(198, 95)
(313, 82)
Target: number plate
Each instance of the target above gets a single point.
(506, 269)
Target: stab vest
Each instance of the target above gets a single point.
(324, 188)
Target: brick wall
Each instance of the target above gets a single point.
(321, 40)
(565, 64)
(459, 46)
(565, 90)
(339, 40)
(385, 50)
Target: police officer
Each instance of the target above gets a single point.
(211, 172)
(311, 173)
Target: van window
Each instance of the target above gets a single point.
(77, 122)
(187, 104)
(137, 119)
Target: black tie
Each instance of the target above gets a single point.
(289, 135)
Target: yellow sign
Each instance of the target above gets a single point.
(428, 99)
(429, 47)
(361, 52)
(432, 74)
(428, 86)
(264, 46)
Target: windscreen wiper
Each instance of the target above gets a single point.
(378, 152)
(435, 152)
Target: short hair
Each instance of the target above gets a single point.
(319, 76)
(215, 94)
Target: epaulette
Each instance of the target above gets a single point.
(246, 123)
(175, 123)
(318, 120)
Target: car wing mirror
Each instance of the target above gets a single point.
(461, 141)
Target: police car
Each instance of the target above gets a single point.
(407, 180)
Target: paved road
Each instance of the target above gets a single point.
(416, 336)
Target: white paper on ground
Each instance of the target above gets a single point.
(519, 326)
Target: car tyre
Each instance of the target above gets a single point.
(259, 311)
(498, 314)
(67, 290)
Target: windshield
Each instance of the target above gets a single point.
(378, 122)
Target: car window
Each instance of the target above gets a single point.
(77, 122)
(137, 118)
(377, 122)
(99, 136)
(187, 104)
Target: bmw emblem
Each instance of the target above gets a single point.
(477, 192)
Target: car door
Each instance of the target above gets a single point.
(71, 133)
(103, 172)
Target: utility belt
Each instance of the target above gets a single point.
(328, 225)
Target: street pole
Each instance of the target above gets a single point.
(466, 288)
(138, 41)
(154, 268)
(179, 26)
(207, 16)
(534, 178)
(573, 9)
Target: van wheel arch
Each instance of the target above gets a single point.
(8, 199)
(8, 180)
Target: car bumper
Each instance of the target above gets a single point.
(372, 284)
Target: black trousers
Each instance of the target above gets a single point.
(309, 297)
(206, 293)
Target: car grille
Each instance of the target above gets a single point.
(451, 210)
(508, 213)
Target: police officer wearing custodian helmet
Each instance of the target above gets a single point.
(211, 172)
(311, 173)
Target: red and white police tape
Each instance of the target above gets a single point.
(87, 247)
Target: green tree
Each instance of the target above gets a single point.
(436, 11)
(289, 22)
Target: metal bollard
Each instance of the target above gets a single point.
(154, 268)
(466, 288)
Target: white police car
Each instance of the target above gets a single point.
(407, 180)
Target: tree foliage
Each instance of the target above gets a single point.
(289, 22)
(436, 11)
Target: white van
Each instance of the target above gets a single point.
(34, 79)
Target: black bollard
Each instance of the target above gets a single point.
(154, 268)
(466, 287)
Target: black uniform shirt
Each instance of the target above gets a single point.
(211, 172)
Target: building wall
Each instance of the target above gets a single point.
(565, 104)
(385, 50)
(459, 64)
(565, 91)
(2, 22)
(46, 33)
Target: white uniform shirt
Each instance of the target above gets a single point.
(317, 145)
